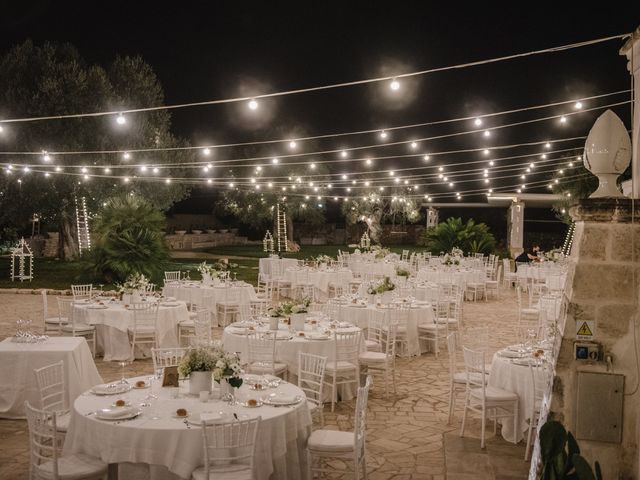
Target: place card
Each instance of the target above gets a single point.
(170, 377)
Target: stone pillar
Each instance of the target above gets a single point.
(631, 50)
(602, 286)
(515, 226)
(432, 218)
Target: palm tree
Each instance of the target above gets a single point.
(470, 237)
(130, 239)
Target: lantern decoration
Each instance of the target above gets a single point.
(267, 242)
(21, 262)
(365, 241)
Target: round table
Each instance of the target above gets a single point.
(320, 279)
(419, 312)
(234, 339)
(112, 320)
(169, 448)
(507, 374)
(209, 296)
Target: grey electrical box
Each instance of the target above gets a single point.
(600, 398)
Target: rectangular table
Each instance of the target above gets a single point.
(18, 360)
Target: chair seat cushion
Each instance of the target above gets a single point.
(72, 467)
(331, 441)
(372, 357)
(494, 394)
(372, 345)
(79, 328)
(62, 421)
(56, 320)
(341, 365)
(431, 327)
(224, 472)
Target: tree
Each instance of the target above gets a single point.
(129, 239)
(374, 209)
(53, 79)
(471, 237)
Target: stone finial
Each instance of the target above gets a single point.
(607, 153)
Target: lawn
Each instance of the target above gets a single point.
(59, 275)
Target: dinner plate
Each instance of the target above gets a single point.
(128, 404)
(110, 389)
(103, 414)
(277, 400)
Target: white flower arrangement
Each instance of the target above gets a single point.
(288, 308)
(385, 285)
(323, 259)
(457, 252)
(215, 360)
(380, 252)
(135, 281)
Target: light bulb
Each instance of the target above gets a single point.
(168, 180)
(563, 119)
(107, 170)
(426, 158)
(486, 151)
(83, 169)
(477, 122)
(156, 169)
(253, 104)
(207, 151)
(275, 161)
(292, 144)
(126, 155)
(344, 177)
(46, 157)
(258, 168)
(487, 133)
(120, 119)
(394, 85)
(414, 145)
(547, 145)
(368, 161)
(383, 134)
(343, 154)
(578, 105)
(312, 166)
(492, 163)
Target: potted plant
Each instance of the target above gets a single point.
(198, 364)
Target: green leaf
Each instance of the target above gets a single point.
(582, 468)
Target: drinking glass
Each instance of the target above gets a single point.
(123, 380)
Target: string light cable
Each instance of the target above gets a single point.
(120, 113)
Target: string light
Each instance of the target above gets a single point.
(578, 105)
(477, 122)
(486, 151)
(168, 180)
(292, 144)
(394, 85)
(120, 119)
(126, 155)
(414, 145)
(46, 157)
(383, 134)
(344, 154)
(275, 161)
(253, 104)
(426, 158)
(487, 133)
(563, 119)
(206, 151)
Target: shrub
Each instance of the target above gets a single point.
(470, 237)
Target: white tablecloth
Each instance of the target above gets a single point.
(515, 378)
(380, 268)
(287, 352)
(460, 277)
(176, 450)
(360, 317)
(209, 297)
(112, 324)
(269, 267)
(320, 279)
(18, 360)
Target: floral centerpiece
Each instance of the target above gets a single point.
(201, 363)
(552, 255)
(215, 270)
(385, 285)
(133, 287)
(457, 252)
(323, 259)
(286, 309)
(402, 272)
(450, 260)
(380, 252)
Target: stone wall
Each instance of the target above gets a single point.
(602, 285)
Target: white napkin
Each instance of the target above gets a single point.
(282, 399)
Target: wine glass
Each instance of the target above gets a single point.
(123, 380)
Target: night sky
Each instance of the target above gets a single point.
(212, 50)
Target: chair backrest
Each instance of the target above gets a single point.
(475, 368)
(65, 309)
(45, 306)
(44, 443)
(82, 291)
(347, 346)
(166, 357)
(228, 444)
(476, 338)
(172, 275)
(52, 387)
(262, 348)
(375, 328)
(389, 344)
(310, 374)
(361, 418)
(202, 326)
(145, 315)
(540, 377)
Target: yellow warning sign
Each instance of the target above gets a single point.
(585, 330)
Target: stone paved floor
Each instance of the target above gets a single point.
(407, 435)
